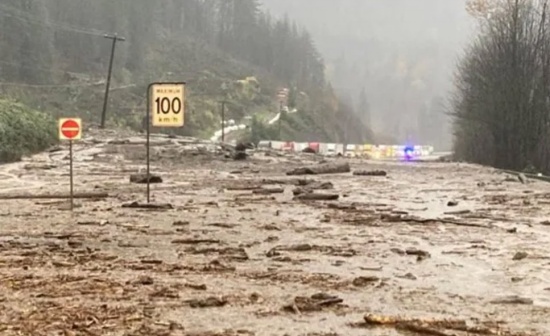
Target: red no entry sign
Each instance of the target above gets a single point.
(70, 129)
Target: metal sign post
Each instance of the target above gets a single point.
(70, 129)
(165, 108)
(71, 172)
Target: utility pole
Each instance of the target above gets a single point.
(346, 133)
(280, 118)
(115, 38)
(223, 121)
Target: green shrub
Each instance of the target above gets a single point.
(259, 131)
(23, 131)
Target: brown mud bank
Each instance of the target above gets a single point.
(427, 249)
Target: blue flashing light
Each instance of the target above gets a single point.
(409, 152)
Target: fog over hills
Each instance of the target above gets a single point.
(402, 53)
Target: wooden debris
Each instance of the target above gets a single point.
(207, 303)
(242, 187)
(142, 178)
(435, 327)
(420, 254)
(268, 191)
(201, 287)
(43, 166)
(87, 195)
(513, 300)
(311, 187)
(408, 219)
(180, 223)
(370, 173)
(311, 304)
(191, 241)
(289, 181)
(317, 197)
(136, 205)
(299, 191)
(327, 168)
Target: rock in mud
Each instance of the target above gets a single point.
(408, 276)
(142, 178)
(520, 255)
(239, 156)
(241, 147)
(144, 280)
(363, 281)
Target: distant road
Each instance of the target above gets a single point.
(218, 134)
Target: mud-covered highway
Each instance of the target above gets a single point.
(429, 249)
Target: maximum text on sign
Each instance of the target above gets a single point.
(167, 104)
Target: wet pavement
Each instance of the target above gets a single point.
(235, 256)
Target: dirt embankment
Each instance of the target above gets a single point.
(428, 249)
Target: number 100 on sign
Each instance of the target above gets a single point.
(167, 104)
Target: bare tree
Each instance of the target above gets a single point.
(502, 90)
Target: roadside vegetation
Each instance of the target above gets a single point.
(23, 131)
(502, 99)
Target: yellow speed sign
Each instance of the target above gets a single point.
(167, 104)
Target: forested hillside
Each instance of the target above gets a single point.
(54, 57)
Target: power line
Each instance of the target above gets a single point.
(118, 88)
(37, 20)
(15, 65)
(52, 85)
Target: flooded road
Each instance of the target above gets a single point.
(234, 255)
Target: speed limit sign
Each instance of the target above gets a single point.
(167, 104)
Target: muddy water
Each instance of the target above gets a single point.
(108, 270)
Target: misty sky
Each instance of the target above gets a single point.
(403, 52)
